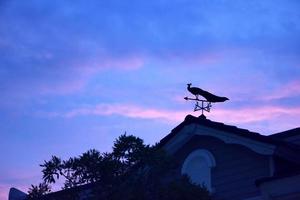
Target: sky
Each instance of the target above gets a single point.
(74, 75)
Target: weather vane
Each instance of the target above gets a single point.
(201, 104)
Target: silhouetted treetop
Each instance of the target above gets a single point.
(131, 171)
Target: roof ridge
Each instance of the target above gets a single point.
(202, 120)
(287, 133)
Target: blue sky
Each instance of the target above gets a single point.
(76, 74)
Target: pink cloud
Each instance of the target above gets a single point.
(79, 73)
(264, 119)
(289, 90)
(126, 110)
(242, 115)
(245, 115)
(63, 80)
(20, 179)
(4, 190)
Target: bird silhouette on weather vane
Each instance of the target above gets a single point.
(206, 102)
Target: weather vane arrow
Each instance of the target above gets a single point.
(209, 98)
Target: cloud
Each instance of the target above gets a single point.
(57, 47)
(79, 74)
(4, 189)
(20, 86)
(156, 29)
(291, 89)
(53, 51)
(125, 110)
(18, 178)
(253, 114)
(234, 115)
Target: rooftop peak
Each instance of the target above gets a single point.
(202, 116)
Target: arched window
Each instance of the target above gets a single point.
(198, 166)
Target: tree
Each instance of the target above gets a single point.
(38, 191)
(131, 171)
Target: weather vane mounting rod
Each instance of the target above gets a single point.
(201, 104)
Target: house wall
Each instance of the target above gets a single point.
(283, 166)
(293, 139)
(283, 188)
(237, 167)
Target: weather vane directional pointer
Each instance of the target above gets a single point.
(205, 104)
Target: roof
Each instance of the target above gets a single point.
(201, 120)
(284, 149)
(65, 193)
(286, 134)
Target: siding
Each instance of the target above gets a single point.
(293, 139)
(237, 167)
